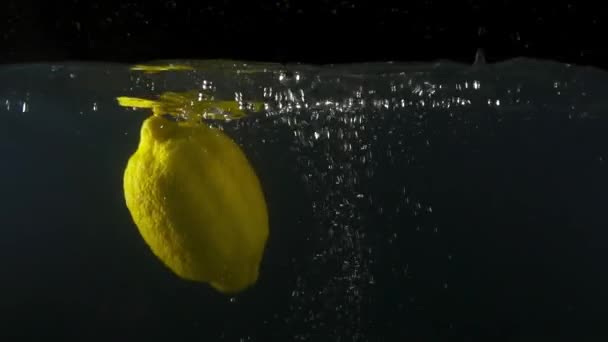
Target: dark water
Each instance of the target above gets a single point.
(430, 202)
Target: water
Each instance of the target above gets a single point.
(407, 202)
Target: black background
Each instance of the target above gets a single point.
(301, 30)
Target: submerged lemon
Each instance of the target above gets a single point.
(197, 203)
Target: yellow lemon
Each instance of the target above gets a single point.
(197, 203)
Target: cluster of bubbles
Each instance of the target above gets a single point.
(336, 138)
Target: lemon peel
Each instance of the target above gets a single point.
(197, 202)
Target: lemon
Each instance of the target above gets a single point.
(197, 203)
